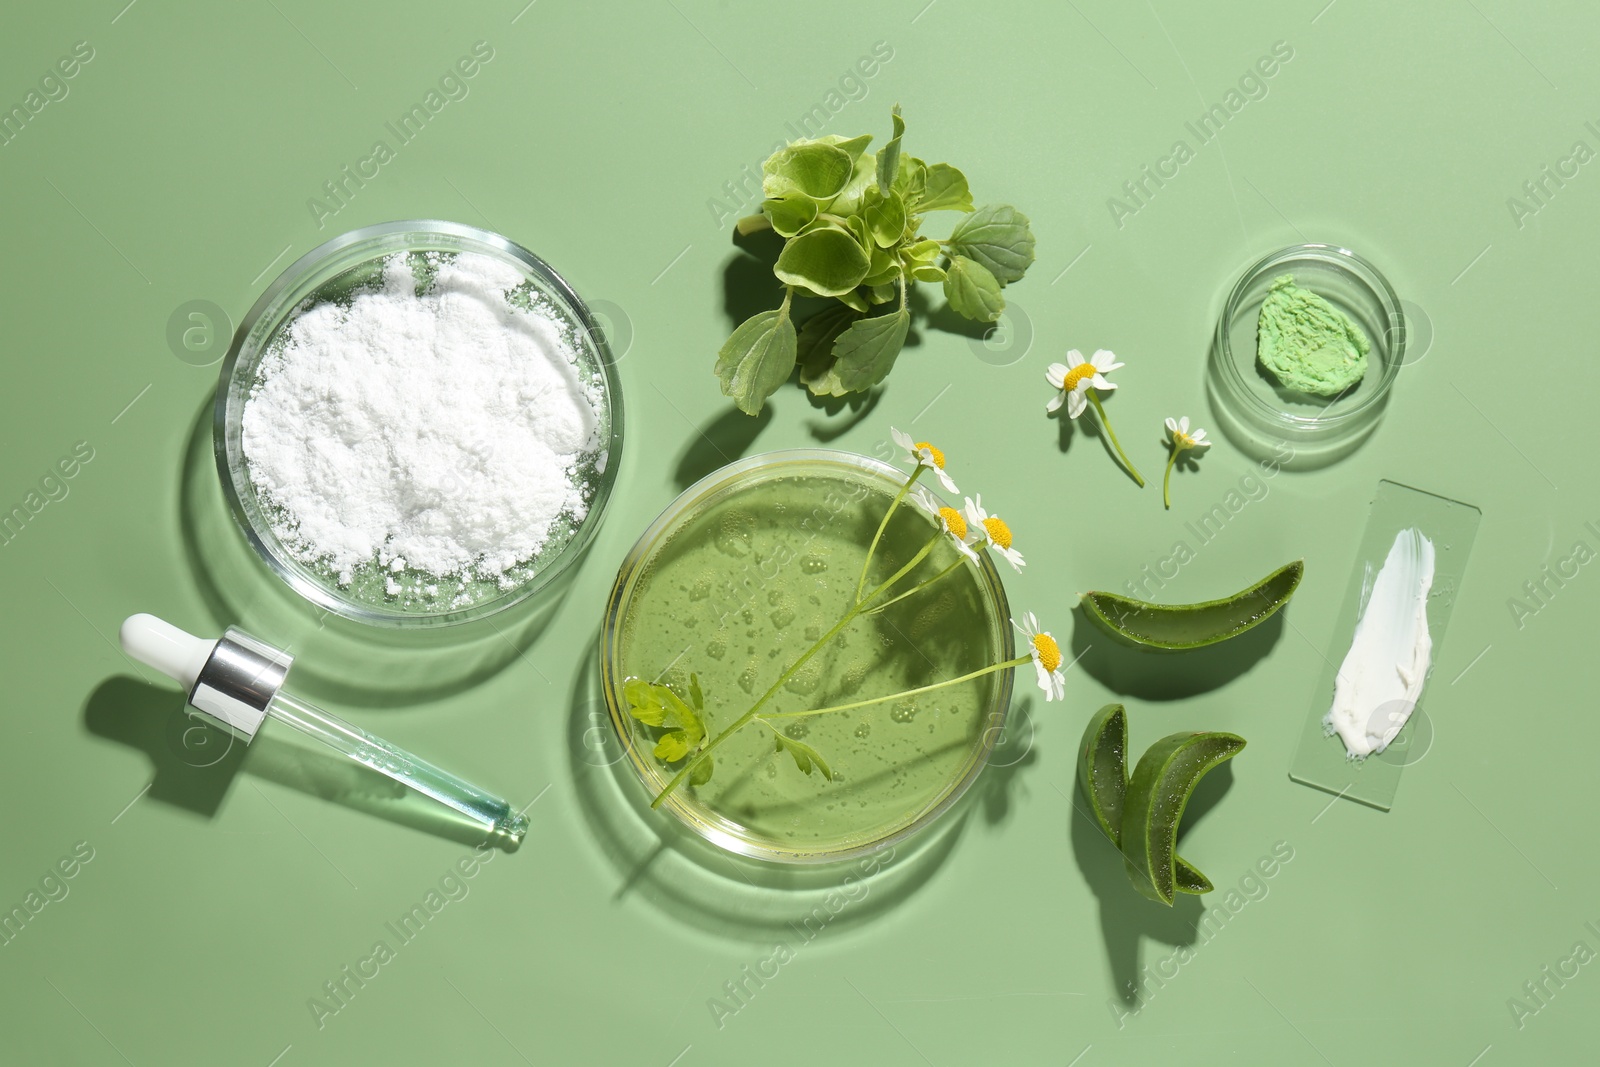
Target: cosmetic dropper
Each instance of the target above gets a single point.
(236, 682)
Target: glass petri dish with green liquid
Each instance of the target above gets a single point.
(743, 573)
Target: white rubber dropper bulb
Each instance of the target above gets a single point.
(159, 644)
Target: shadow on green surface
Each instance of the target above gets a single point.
(860, 406)
(658, 859)
(336, 659)
(194, 765)
(1134, 672)
(718, 443)
(1127, 917)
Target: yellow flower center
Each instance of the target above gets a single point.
(938, 456)
(954, 522)
(1077, 374)
(999, 532)
(1049, 651)
(1182, 440)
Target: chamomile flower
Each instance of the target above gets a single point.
(1046, 655)
(950, 521)
(922, 454)
(1180, 439)
(994, 531)
(1077, 376)
(1076, 382)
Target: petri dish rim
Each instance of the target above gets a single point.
(1389, 346)
(713, 827)
(280, 301)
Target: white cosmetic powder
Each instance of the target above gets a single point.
(1381, 678)
(438, 432)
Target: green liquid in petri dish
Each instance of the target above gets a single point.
(749, 582)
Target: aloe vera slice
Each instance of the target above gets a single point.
(1103, 777)
(1158, 792)
(1175, 627)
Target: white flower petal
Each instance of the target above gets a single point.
(1055, 374)
(1075, 403)
(902, 439)
(944, 479)
(1106, 360)
(1172, 427)
(1183, 424)
(1099, 382)
(1011, 556)
(1055, 403)
(1074, 358)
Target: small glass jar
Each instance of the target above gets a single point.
(1300, 429)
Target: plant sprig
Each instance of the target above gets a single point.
(851, 224)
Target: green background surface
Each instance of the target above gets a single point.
(220, 899)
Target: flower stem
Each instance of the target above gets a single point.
(1019, 661)
(883, 524)
(918, 587)
(744, 720)
(1166, 482)
(1126, 463)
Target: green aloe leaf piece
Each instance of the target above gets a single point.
(828, 261)
(1158, 791)
(997, 236)
(1175, 627)
(1103, 778)
(945, 189)
(866, 351)
(972, 291)
(758, 358)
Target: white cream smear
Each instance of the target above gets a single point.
(1381, 678)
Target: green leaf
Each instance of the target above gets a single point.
(850, 146)
(945, 189)
(922, 252)
(643, 704)
(790, 214)
(886, 219)
(855, 300)
(702, 771)
(889, 154)
(827, 261)
(672, 747)
(998, 237)
(881, 294)
(816, 348)
(815, 168)
(1158, 792)
(854, 193)
(912, 180)
(866, 351)
(972, 291)
(758, 358)
(928, 273)
(885, 269)
(804, 755)
(696, 697)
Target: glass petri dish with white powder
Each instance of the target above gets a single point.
(418, 423)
